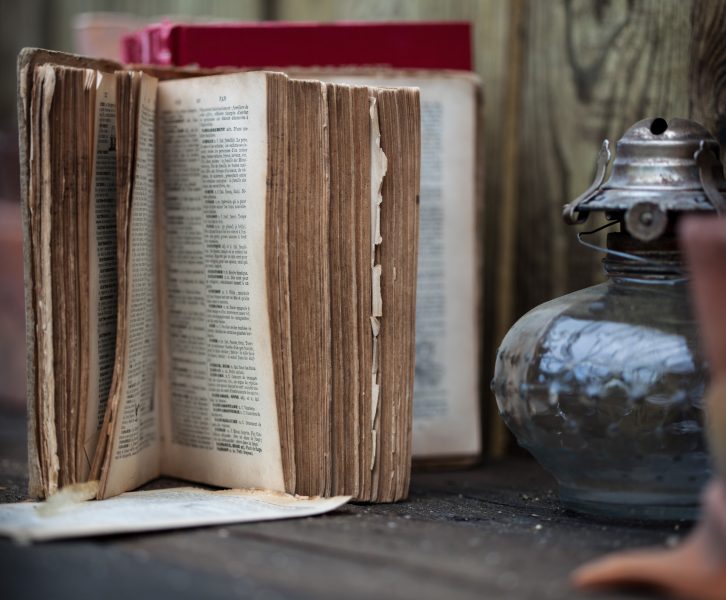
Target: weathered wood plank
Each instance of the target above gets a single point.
(592, 69)
(707, 83)
(502, 230)
(488, 532)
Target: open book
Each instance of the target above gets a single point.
(221, 278)
(435, 57)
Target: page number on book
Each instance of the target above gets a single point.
(223, 98)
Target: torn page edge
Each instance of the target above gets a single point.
(68, 497)
(35, 483)
(45, 303)
(379, 166)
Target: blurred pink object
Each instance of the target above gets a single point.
(704, 241)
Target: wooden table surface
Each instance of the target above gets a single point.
(496, 531)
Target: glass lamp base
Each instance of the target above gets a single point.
(631, 505)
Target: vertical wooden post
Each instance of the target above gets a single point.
(506, 225)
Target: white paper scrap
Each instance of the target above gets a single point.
(154, 510)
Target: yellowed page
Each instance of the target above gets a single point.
(102, 265)
(379, 165)
(446, 411)
(135, 443)
(44, 299)
(222, 425)
(155, 510)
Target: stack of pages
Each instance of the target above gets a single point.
(221, 278)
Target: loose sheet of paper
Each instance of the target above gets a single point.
(154, 510)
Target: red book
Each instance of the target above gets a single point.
(401, 45)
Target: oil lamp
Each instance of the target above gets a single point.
(605, 386)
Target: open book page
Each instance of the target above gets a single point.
(135, 444)
(102, 265)
(446, 395)
(222, 425)
(155, 510)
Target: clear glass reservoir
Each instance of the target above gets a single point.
(605, 387)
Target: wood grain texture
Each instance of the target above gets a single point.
(591, 70)
(559, 77)
(501, 221)
(707, 68)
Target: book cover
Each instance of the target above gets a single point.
(399, 45)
